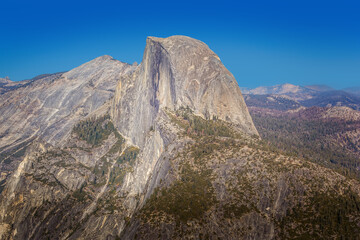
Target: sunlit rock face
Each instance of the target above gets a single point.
(177, 71)
(50, 106)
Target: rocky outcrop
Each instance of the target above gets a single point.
(308, 96)
(51, 105)
(177, 71)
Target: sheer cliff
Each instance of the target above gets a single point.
(177, 71)
(162, 150)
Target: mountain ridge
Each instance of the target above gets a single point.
(315, 95)
(179, 86)
(164, 149)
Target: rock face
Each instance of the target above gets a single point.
(165, 149)
(51, 105)
(177, 71)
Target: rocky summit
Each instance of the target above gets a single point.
(161, 150)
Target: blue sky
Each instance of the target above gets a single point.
(260, 42)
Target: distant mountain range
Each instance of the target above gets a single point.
(320, 88)
(316, 122)
(288, 88)
(289, 96)
(353, 90)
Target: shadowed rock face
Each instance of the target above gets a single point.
(178, 71)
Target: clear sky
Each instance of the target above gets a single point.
(260, 42)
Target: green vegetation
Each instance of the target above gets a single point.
(124, 164)
(94, 130)
(2, 185)
(187, 198)
(193, 194)
(129, 155)
(44, 180)
(325, 216)
(196, 126)
(233, 210)
(258, 186)
(102, 168)
(80, 196)
(55, 153)
(204, 147)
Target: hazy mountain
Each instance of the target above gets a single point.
(293, 91)
(162, 150)
(320, 88)
(277, 89)
(353, 90)
(275, 102)
(309, 96)
(333, 98)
